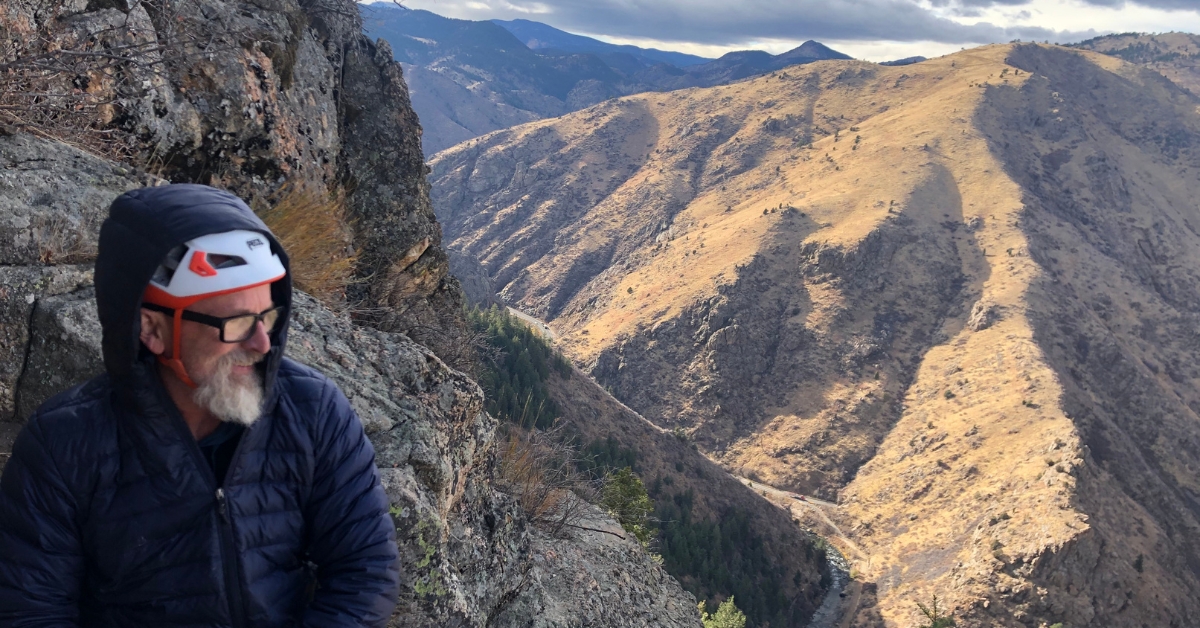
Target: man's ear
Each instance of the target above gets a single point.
(155, 332)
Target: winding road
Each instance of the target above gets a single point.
(533, 322)
(842, 601)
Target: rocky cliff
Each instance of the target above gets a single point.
(257, 98)
(958, 297)
(471, 556)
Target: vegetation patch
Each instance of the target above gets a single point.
(514, 377)
(625, 498)
(727, 616)
(311, 225)
(715, 559)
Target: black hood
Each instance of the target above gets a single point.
(141, 228)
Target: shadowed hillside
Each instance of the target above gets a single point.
(958, 297)
(779, 576)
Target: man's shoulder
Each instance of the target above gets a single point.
(296, 377)
(317, 400)
(71, 425)
(76, 410)
(305, 386)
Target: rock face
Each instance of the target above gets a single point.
(959, 297)
(259, 98)
(52, 201)
(573, 583)
(470, 555)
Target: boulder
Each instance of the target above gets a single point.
(52, 199)
(983, 315)
(64, 348)
(21, 290)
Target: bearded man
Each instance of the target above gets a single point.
(204, 479)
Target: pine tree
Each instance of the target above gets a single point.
(626, 499)
(727, 616)
(936, 616)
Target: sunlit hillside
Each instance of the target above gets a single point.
(1174, 55)
(958, 297)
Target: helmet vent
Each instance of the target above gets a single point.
(220, 262)
(166, 270)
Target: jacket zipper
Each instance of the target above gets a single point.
(229, 561)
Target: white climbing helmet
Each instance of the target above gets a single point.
(214, 264)
(209, 266)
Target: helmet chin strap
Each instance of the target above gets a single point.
(175, 362)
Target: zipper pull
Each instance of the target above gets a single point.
(221, 508)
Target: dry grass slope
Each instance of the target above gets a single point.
(1174, 55)
(957, 296)
(312, 226)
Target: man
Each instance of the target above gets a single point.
(204, 480)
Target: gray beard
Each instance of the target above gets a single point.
(232, 399)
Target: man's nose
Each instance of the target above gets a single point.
(259, 341)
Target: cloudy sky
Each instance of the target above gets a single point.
(877, 30)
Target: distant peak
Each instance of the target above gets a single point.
(813, 50)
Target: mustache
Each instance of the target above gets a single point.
(240, 357)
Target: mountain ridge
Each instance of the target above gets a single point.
(537, 35)
(901, 288)
(468, 78)
(1174, 55)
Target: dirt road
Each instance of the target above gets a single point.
(841, 603)
(533, 322)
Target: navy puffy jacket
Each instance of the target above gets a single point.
(109, 515)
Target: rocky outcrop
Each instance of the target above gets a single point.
(572, 583)
(479, 289)
(471, 556)
(52, 200)
(261, 98)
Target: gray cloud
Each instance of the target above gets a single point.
(719, 22)
(1170, 5)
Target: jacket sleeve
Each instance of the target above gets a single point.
(352, 538)
(41, 563)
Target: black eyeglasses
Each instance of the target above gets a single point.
(233, 328)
